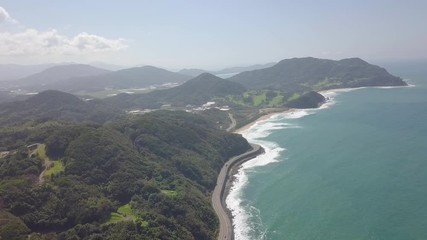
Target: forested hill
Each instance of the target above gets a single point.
(305, 74)
(55, 105)
(146, 178)
(196, 91)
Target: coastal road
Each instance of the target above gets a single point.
(218, 195)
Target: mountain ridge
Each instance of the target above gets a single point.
(195, 71)
(59, 73)
(137, 77)
(317, 74)
(11, 72)
(195, 91)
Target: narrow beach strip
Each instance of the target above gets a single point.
(225, 178)
(224, 182)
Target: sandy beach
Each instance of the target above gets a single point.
(262, 118)
(226, 177)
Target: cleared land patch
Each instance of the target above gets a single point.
(124, 213)
(52, 167)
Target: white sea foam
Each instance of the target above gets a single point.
(330, 96)
(295, 114)
(334, 92)
(246, 218)
(274, 119)
(263, 129)
(389, 87)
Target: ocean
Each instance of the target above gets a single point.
(354, 169)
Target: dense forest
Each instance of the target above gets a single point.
(141, 177)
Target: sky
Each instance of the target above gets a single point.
(209, 34)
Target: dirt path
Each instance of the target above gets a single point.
(47, 163)
(41, 178)
(232, 124)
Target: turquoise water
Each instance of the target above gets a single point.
(356, 169)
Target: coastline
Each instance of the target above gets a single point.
(233, 170)
(226, 179)
(224, 182)
(329, 96)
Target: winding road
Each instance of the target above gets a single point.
(218, 195)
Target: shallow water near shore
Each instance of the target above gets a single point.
(354, 169)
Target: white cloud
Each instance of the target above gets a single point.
(32, 42)
(5, 16)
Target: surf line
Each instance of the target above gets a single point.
(224, 182)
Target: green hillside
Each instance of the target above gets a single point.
(55, 105)
(305, 74)
(146, 178)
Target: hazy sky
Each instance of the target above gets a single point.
(209, 34)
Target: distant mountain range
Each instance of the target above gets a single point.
(139, 77)
(10, 72)
(78, 77)
(196, 91)
(233, 70)
(56, 74)
(299, 74)
(285, 81)
(291, 82)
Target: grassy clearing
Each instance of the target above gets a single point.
(170, 193)
(276, 101)
(259, 99)
(294, 97)
(56, 168)
(325, 84)
(262, 98)
(115, 217)
(124, 213)
(127, 211)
